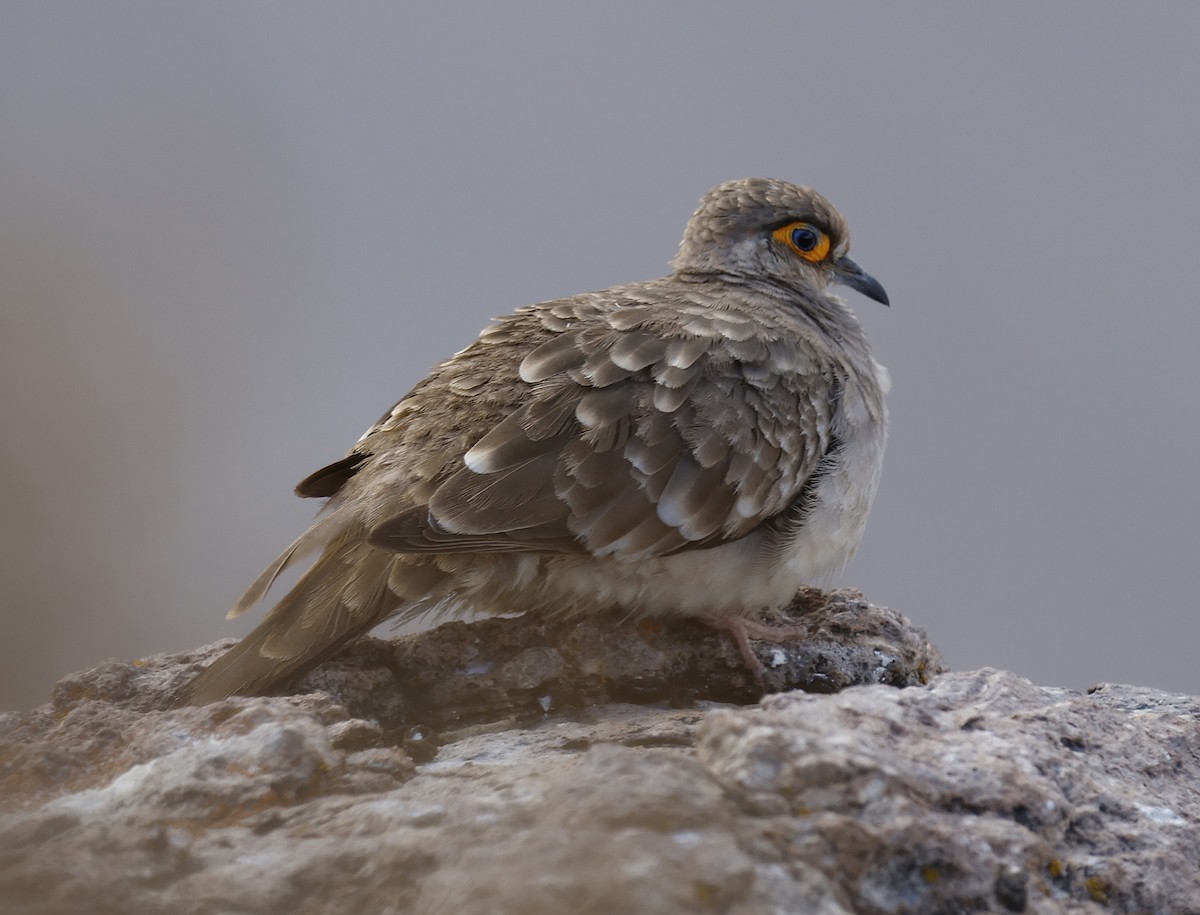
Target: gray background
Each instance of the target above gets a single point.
(231, 235)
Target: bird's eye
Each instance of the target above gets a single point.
(806, 240)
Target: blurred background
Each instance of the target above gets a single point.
(233, 234)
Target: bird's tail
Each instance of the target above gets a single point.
(350, 588)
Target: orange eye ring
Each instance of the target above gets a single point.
(803, 239)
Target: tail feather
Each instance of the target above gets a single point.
(343, 595)
(317, 536)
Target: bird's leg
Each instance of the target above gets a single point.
(743, 630)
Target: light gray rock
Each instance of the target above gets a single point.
(978, 792)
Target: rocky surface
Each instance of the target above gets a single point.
(508, 766)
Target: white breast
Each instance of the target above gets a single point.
(819, 549)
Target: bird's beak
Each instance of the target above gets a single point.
(848, 273)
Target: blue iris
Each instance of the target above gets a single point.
(805, 239)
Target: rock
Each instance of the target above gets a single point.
(466, 674)
(981, 792)
(504, 766)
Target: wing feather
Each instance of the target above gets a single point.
(633, 438)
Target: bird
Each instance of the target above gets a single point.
(701, 445)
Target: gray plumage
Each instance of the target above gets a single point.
(701, 444)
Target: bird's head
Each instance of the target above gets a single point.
(760, 227)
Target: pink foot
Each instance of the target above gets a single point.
(743, 630)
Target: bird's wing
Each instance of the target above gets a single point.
(332, 477)
(636, 431)
(582, 426)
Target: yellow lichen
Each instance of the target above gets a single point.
(1097, 888)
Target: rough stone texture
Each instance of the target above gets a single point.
(433, 775)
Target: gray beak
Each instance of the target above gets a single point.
(848, 273)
